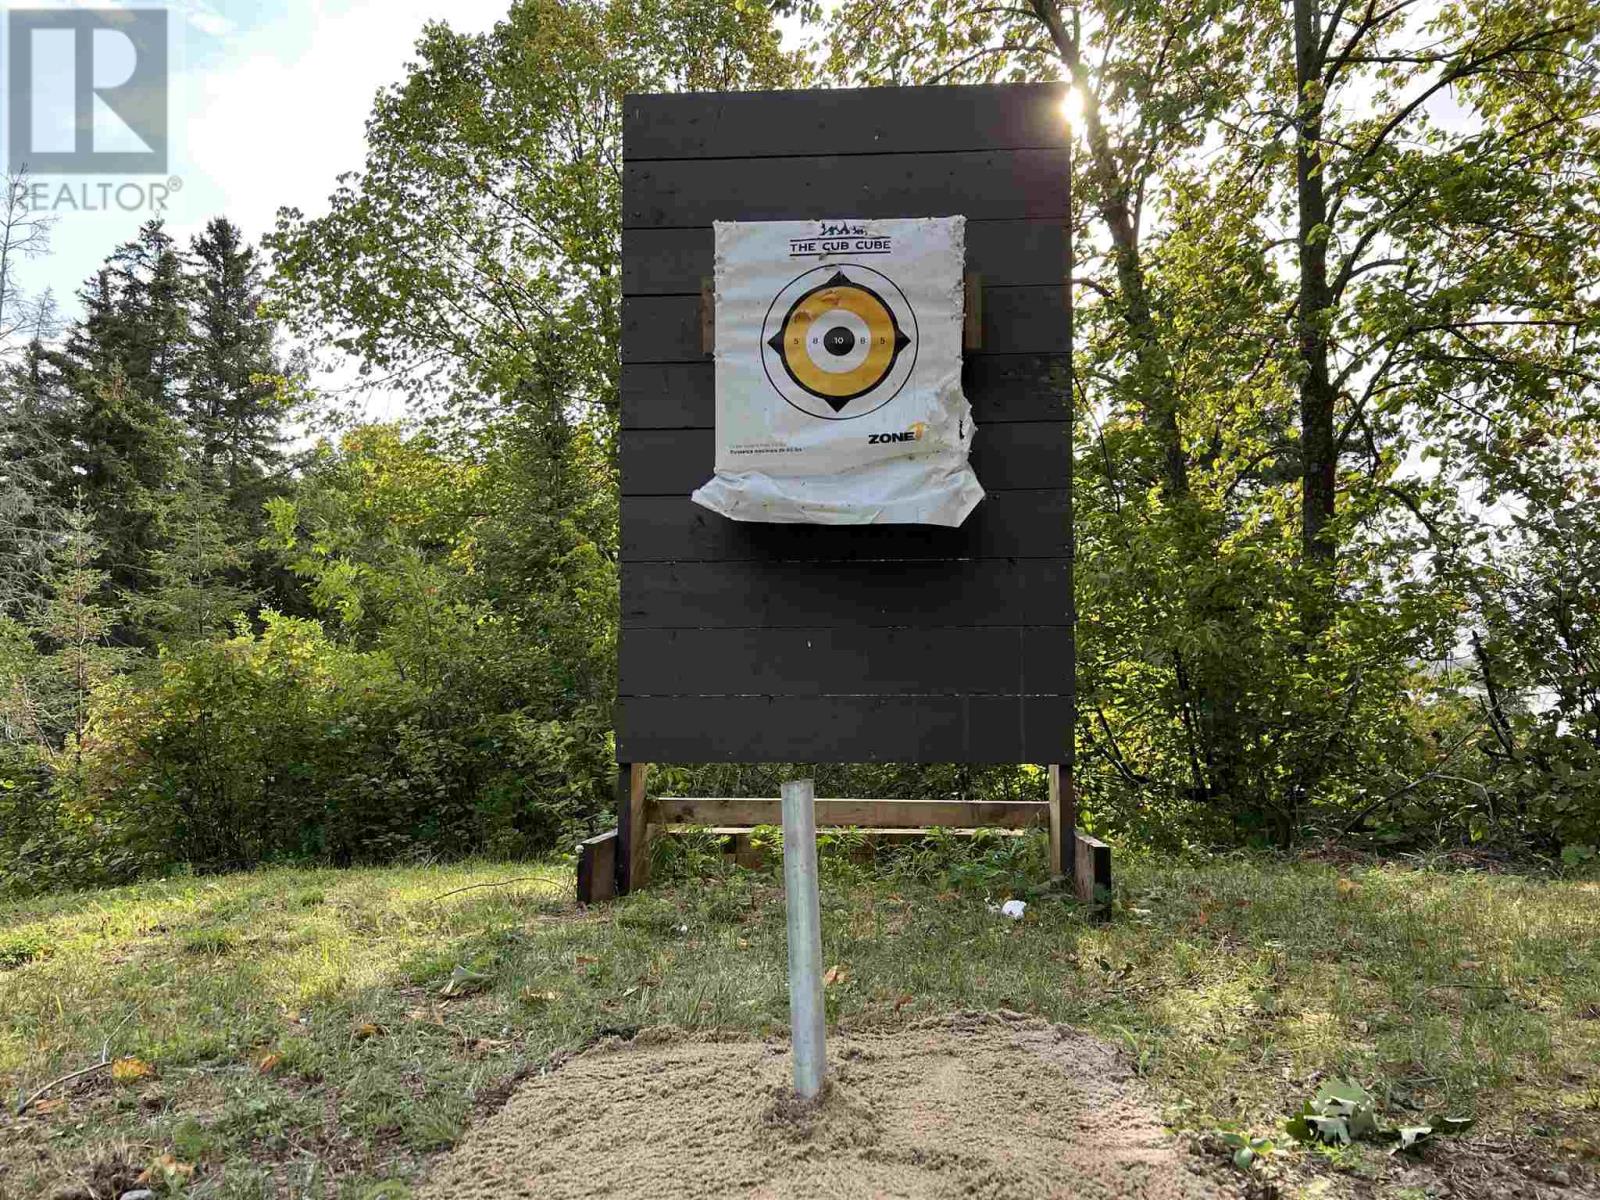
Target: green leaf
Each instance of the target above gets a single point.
(1333, 1130)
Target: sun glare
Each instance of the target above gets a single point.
(1072, 108)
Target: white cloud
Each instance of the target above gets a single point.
(272, 122)
(267, 105)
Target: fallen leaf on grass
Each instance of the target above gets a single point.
(529, 996)
(269, 1063)
(369, 1030)
(131, 1070)
(1347, 889)
(586, 960)
(1468, 964)
(48, 1105)
(165, 1169)
(835, 974)
(463, 982)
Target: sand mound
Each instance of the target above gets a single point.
(976, 1105)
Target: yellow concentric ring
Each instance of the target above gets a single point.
(797, 332)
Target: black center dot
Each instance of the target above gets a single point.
(839, 341)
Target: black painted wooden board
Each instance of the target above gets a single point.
(763, 643)
(980, 185)
(973, 729)
(994, 661)
(1000, 388)
(1020, 524)
(1016, 320)
(843, 121)
(673, 262)
(673, 462)
(879, 595)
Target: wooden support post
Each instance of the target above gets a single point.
(708, 315)
(633, 830)
(1073, 852)
(597, 868)
(1063, 820)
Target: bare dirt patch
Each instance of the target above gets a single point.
(974, 1105)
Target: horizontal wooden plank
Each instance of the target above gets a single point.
(980, 185)
(1017, 524)
(1000, 388)
(1016, 320)
(865, 814)
(713, 595)
(852, 661)
(977, 729)
(666, 262)
(843, 121)
(673, 462)
(912, 833)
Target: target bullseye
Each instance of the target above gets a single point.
(838, 342)
(841, 339)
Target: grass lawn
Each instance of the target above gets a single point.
(320, 1033)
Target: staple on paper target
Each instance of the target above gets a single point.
(838, 373)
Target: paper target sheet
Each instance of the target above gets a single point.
(838, 373)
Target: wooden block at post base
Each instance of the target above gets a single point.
(633, 830)
(597, 868)
(1092, 872)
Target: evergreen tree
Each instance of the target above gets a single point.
(123, 452)
(73, 624)
(231, 403)
(170, 384)
(193, 589)
(149, 325)
(32, 468)
(121, 427)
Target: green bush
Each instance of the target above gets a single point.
(284, 745)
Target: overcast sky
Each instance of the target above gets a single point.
(268, 99)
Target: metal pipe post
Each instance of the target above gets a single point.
(807, 1017)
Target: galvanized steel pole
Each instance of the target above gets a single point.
(806, 1014)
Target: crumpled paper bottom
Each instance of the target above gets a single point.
(902, 491)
